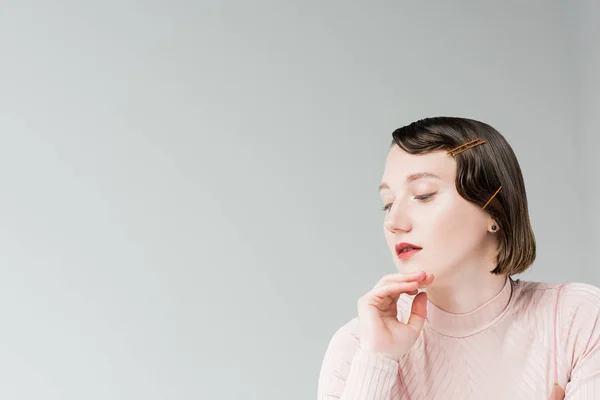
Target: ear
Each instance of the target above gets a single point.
(493, 226)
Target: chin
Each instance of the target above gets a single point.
(407, 267)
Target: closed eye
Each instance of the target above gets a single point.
(423, 198)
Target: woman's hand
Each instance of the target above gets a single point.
(557, 393)
(380, 330)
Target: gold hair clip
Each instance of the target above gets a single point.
(473, 143)
(492, 197)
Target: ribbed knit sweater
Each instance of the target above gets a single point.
(515, 346)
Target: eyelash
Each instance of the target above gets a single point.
(424, 198)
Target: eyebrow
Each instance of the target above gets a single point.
(412, 178)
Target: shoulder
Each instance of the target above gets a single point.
(582, 295)
(343, 346)
(532, 289)
(563, 297)
(579, 304)
(535, 297)
(345, 339)
(578, 328)
(573, 305)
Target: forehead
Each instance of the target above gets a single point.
(399, 164)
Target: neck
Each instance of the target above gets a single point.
(465, 291)
(469, 303)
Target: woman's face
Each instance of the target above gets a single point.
(425, 209)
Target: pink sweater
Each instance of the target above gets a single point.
(515, 346)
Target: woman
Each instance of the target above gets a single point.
(453, 323)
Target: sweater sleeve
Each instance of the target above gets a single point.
(580, 334)
(351, 373)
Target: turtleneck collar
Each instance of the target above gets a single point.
(462, 325)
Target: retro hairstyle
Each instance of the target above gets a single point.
(480, 171)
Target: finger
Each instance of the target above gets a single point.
(394, 288)
(418, 312)
(382, 297)
(557, 393)
(427, 281)
(421, 285)
(401, 277)
(424, 280)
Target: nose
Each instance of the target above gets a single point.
(397, 219)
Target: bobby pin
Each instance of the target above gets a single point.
(473, 143)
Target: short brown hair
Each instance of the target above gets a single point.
(480, 171)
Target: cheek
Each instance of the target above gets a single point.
(453, 226)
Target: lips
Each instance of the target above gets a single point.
(405, 250)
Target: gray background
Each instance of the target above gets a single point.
(189, 206)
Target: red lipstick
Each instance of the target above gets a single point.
(405, 250)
